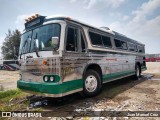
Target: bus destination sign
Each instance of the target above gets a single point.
(34, 22)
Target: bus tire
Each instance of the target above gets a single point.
(137, 71)
(92, 83)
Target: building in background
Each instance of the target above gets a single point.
(152, 57)
(9, 64)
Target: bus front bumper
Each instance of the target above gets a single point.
(51, 89)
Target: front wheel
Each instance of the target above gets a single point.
(92, 83)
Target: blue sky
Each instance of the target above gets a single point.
(138, 19)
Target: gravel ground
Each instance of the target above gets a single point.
(123, 95)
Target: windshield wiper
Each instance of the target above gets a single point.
(37, 52)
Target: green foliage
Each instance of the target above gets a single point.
(10, 46)
(10, 98)
(8, 93)
(15, 100)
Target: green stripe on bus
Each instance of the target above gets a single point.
(55, 88)
(50, 88)
(117, 75)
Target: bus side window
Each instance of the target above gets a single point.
(118, 44)
(71, 43)
(106, 41)
(95, 38)
(140, 49)
(124, 45)
(132, 47)
(83, 47)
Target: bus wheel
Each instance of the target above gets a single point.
(92, 83)
(138, 71)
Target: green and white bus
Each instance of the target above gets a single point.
(60, 56)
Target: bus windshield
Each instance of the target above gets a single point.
(42, 35)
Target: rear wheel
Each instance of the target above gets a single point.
(138, 71)
(92, 83)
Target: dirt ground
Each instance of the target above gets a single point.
(8, 79)
(126, 94)
(122, 95)
(153, 68)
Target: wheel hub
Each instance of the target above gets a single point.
(91, 83)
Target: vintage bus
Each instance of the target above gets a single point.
(59, 56)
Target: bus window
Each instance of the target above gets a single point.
(124, 45)
(83, 47)
(95, 39)
(106, 41)
(136, 49)
(71, 43)
(140, 49)
(132, 47)
(118, 44)
(34, 36)
(25, 42)
(44, 35)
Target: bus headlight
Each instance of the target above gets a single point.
(51, 78)
(45, 78)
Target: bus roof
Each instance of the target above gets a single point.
(114, 33)
(77, 21)
(125, 38)
(43, 19)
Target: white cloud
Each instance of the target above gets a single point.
(125, 17)
(101, 3)
(20, 20)
(147, 8)
(73, 1)
(91, 3)
(116, 3)
(142, 29)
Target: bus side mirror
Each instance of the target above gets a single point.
(55, 41)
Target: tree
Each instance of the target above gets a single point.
(10, 46)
